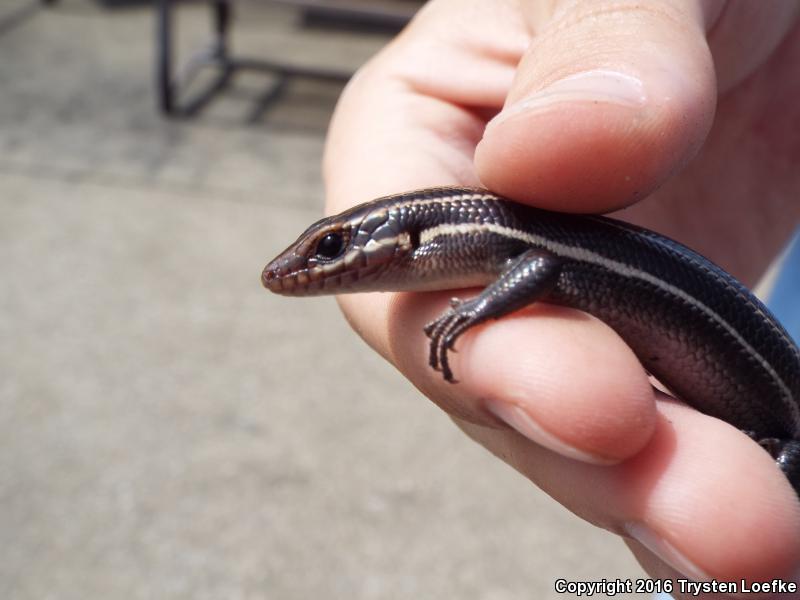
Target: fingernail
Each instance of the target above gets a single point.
(664, 550)
(518, 419)
(598, 85)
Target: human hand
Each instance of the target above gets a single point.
(602, 103)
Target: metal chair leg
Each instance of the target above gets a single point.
(166, 101)
(222, 20)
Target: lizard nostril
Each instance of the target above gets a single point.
(268, 276)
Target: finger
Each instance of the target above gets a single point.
(409, 118)
(561, 378)
(745, 34)
(700, 498)
(609, 100)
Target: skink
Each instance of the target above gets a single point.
(692, 325)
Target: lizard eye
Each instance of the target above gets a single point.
(330, 246)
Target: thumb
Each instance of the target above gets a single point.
(609, 99)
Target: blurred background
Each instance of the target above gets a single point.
(167, 428)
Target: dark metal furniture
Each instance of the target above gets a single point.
(171, 82)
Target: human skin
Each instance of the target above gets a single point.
(683, 117)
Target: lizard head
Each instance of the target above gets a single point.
(339, 254)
